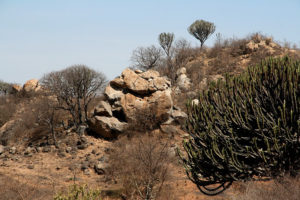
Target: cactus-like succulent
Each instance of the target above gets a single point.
(246, 127)
(201, 30)
(165, 41)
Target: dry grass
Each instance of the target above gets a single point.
(7, 108)
(14, 189)
(283, 189)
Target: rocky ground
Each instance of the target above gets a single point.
(39, 173)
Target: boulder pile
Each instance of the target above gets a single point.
(127, 96)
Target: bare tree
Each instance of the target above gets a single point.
(201, 30)
(74, 88)
(47, 115)
(146, 58)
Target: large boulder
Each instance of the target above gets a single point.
(108, 127)
(31, 86)
(160, 102)
(129, 95)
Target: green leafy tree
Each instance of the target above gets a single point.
(246, 127)
(201, 30)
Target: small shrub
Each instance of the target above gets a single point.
(269, 40)
(5, 88)
(146, 58)
(256, 37)
(142, 166)
(12, 188)
(7, 108)
(79, 192)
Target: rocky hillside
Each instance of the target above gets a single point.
(35, 166)
(230, 56)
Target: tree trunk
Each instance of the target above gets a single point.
(79, 111)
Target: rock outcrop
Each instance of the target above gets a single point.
(16, 88)
(31, 86)
(182, 81)
(129, 95)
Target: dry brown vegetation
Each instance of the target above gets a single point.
(227, 56)
(287, 188)
(142, 165)
(13, 189)
(7, 109)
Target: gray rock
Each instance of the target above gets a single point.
(30, 166)
(100, 168)
(28, 151)
(39, 149)
(81, 130)
(12, 150)
(173, 151)
(46, 149)
(179, 116)
(52, 148)
(185, 136)
(82, 143)
(84, 140)
(82, 146)
(103, 159)
(2, 149)
(182, 81)
(68, 149)
(169, 129)
(61, 154)
(84, 166)
(107, 127)
(86, 172)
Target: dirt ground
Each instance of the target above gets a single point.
(41, 175)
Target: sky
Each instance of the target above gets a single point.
(40, 36)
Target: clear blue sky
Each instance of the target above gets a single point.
(39, 36)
